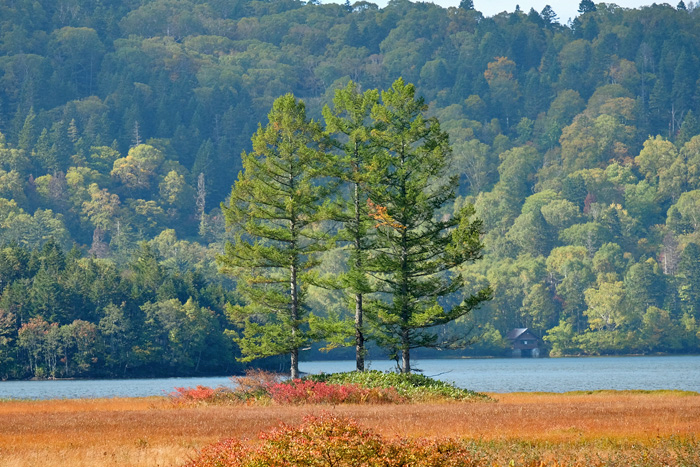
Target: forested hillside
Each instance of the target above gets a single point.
(123, 122)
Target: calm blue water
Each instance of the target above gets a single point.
(76, 389)
(487, 375)
(549, 374)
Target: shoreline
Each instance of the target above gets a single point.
(439, 358)
(495, 395)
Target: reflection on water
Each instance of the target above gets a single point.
(486, 375)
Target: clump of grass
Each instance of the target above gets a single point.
(252, 388)
(413, 387)
(203, 395)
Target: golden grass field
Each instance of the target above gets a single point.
(154, 432)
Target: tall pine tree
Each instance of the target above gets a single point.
(275, 212)
(419, 245)
(348, 123)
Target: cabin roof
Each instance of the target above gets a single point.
(518, 332)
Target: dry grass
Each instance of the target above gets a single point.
(152, 432)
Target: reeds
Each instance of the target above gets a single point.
(616, 427)
(332, 441)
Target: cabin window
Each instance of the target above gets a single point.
(524, 342)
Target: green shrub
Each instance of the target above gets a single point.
(414, 387)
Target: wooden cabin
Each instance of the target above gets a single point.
(524, 343)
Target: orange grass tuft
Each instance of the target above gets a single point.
(153, 432)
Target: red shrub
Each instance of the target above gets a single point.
(189, 395)
(312, 392)
(226, 453)
(300, 392)
(332, 441)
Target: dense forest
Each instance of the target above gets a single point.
(122, 125)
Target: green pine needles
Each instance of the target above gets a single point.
(419, 246)
(375, 183)
(275, 211)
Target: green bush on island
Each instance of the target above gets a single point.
(413, 386)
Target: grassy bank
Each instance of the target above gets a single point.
(566, 428)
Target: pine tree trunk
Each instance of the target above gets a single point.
(359, 336)
(294, 360)
(295, 317)
(405, 312)
(294, 357)
(405, 352)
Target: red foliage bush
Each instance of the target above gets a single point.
(258, 386)
(189, 395)
(332, 441)
(299, 391)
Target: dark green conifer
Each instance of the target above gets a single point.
(348, 124)
(586, 6)
(419, 246)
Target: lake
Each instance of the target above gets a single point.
(485, 375)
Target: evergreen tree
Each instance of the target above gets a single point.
(683, 87)
(275, 211)
(586, 6)
(348, 120)
(419, 247)
(353, 37)
(45, 153)
(548, 15)
(8, 323)
(466, 4)
(689, 128)
(26, 134)
(689, 280)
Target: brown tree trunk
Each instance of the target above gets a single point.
(295, 318)
(359, 336)
(405, 353)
